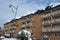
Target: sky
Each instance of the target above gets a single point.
(24, 7)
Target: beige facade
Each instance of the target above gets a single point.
(51, 23)
(42, 24)
(29, 22)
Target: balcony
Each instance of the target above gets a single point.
(50, 29)
(12, 31)
(27, 24)
(7, 33)
(23, 25)
(57, 20)
(46, 22)
(46, 15)
(55, 13)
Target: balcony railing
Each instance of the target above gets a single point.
(7, 34)
(27, 24)
(57, 20)
(12, 31)
(46, 15)
(55, 13)
(53, 21)
(46, 22)
(50, 29)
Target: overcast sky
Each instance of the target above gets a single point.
(24, 7)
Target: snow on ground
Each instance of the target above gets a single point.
(9, 39)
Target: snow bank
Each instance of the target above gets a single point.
(9, 39)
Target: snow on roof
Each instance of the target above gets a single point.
(7, 21)
(10, 20)
(54, 4)
(18, 17)
(29, 12)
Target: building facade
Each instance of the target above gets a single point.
(51, 24)
(44, 24)
(29, 22)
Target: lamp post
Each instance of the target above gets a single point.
(14, 11)
(12, 8)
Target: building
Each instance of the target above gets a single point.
(1, 32)
(51, 23)
(12, 28)
(44, 24)
(29, 22)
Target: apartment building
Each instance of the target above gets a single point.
(44, 24)
(31, 22)
(12, 28)
(51, 24)
(1, 32)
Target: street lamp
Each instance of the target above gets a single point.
(14, 10)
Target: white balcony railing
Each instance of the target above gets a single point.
(51, 21)
(50, 29)
(24, 25)
(54, 13)
(46, 15)
(27, 24)
(12, 31)
(46, 22)
(57, 20)
(7, 34)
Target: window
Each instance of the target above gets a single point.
(56, 25)
(23, 23)
(29, 21)
(57, 34)
(23, 28)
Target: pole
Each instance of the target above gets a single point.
(14, 12)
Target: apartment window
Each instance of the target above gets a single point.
(56, 25)
(56, 17)
(57, 34)
(48, 18)
(23, 28)
(23, 23)
(29, 21)
(28, 27)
